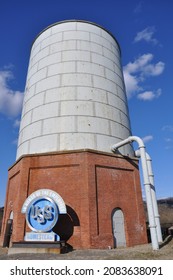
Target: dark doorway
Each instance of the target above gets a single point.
(8, 233)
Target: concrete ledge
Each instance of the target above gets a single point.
(12, 251)
(36, 247)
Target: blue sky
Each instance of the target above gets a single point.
(144, 32)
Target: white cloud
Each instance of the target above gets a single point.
(138, 8)
(10, 100)
(146, 35)
(168, 140)
(154, 70)
(15, 142)
(168, 130)
(136, 72)
(139, 63)
(16, 123)
(147, 138)
(168, 127)
(149, 95)
(168, 147)
(142, 64)
(131, 82)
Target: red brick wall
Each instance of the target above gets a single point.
(91, 184)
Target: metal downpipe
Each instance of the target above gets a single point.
(153, 194)
(152, 225)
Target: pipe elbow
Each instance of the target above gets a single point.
(138, 140)
(130, 139)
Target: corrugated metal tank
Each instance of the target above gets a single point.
(75, 96)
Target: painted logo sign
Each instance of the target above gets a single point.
(42, 209)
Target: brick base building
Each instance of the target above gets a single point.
(94, 186)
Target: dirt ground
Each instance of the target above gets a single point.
(141, 252)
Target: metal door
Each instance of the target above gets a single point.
(118, 228)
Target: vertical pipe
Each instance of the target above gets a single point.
(150, 209)
(153, 194)
(146, 180)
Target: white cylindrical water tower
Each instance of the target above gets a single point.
(74, 110)
(75, 96)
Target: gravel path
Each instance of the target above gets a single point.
(142, 252)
